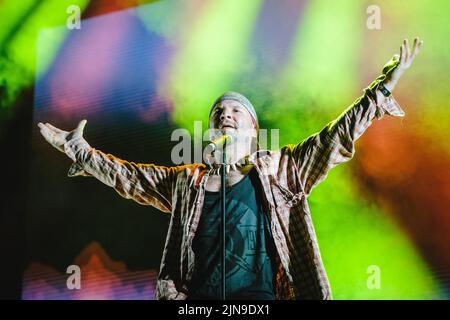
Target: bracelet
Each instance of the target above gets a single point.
(383, 90)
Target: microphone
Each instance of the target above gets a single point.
(219, 143)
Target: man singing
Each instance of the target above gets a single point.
(271, 246)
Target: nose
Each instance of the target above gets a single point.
(226, 114)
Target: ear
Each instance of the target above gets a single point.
(255, 131)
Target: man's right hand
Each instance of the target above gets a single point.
(57, 137)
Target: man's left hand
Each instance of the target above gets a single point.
(406, 58)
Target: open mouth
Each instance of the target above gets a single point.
(223, 126)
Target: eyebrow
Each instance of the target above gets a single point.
(233, 106)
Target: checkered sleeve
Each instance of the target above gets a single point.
(335, 143)
(146, 184)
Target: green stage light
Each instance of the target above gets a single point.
(210, 57)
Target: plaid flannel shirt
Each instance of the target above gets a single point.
(287, 178)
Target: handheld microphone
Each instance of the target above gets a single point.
(219, 143)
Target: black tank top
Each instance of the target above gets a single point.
(249, 246)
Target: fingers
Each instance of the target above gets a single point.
(401, 54)
(44, 128)
(57, 137)
(82, 123)
(417, 46)
(51, 136)
(46, 133)
(406, 54)
(54, 128)
(79, 130)
(408, 50)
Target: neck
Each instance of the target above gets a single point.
(236, 154)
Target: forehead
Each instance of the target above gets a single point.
(229, 104)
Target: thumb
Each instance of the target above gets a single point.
(79, 130)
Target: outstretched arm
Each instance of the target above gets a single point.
(335, 143)
(146, 184)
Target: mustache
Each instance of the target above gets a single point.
(227, 124)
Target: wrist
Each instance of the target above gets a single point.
(389, 85)
(385, 91)
(76, 148)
